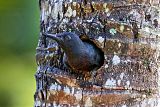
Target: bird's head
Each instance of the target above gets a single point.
(66, 40)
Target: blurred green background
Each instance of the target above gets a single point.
(19, 29)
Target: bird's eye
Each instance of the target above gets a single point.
(67, 37)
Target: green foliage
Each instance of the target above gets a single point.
(19, 31)
(19, 25)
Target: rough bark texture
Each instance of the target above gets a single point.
(127, 31)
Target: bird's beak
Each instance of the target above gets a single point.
(55, 37)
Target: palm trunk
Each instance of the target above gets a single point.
(128, 33)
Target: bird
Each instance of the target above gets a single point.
(79, 55)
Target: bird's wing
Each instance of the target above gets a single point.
(94, 54)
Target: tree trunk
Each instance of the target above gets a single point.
(128, 33)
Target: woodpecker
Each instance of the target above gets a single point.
(79, 55)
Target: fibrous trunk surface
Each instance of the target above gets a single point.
(128, 32)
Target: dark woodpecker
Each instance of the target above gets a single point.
(79, 55)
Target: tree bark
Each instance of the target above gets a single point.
(128, 33)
